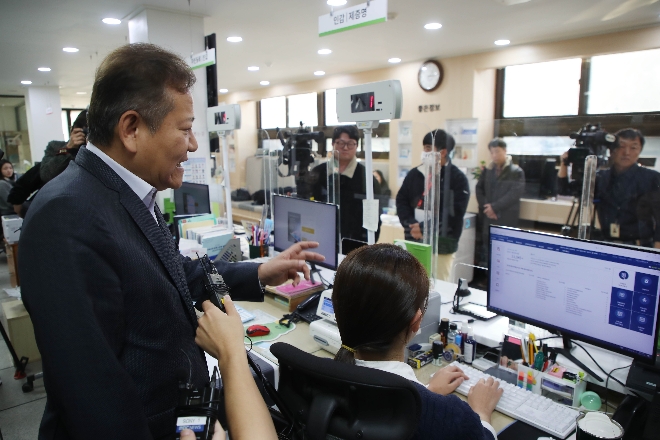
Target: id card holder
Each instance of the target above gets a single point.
(615, 230)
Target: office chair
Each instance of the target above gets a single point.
(328, 398)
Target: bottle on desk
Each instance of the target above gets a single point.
(470, 346)
(451, 336)
(444, 330)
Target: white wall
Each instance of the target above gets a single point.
(44, 114)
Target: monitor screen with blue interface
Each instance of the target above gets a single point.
(597, 292)
(305, 220)
(192, 198)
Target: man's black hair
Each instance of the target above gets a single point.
(350, 130)
(629, 134)
(497, 142)
(81, 120)
(442, 140)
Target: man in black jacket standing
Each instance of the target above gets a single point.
(109, 295)
(499, 189)
(352, 183)
(410, 201)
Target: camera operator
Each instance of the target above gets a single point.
(620, 192)
(58, 154)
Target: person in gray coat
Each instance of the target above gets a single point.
(499, 189)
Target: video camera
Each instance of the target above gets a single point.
(297, 154)
(589, 140)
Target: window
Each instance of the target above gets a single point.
(302, 108)
(331, 109)
(273, 112)
(542, 89)
(625, 83)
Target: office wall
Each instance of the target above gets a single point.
(468, 89)
(8, 119)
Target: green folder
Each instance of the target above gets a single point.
(419, 250)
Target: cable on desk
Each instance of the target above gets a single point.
(607, 381)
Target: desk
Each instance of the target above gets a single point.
(301, 339)
(490, 333)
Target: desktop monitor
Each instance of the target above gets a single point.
(600, 293)
(306, 220)
(192, 198)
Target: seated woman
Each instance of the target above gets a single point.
(380, 296)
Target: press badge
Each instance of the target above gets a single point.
(615, 230)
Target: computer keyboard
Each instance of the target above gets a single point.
(533, 409)
(244, 314)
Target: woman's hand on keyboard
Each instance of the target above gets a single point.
(446, 380)
(483, 397)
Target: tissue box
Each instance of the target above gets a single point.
(11, 227)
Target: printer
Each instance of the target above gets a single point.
(325, 332)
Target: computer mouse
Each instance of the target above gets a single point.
(257, 330)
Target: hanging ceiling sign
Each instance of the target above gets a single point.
(365, 14)
(202, 59)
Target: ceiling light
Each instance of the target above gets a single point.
(502, 42)
(394, 60)
(223, 90)
(81, 93)
(253, 68)
(264, 83)
(324, 52)
(27, 83)
(43, 69)
(111, 21)
(336, 2)
(70, 49)
(319, 73)
(234, 39)
(432, 26)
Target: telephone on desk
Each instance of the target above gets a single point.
(306, 310)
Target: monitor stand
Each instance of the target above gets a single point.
(566, 352)
(314, 270)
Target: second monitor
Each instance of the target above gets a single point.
(305, 220)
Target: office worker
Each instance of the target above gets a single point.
(24, 190)
(352, 183)
(622, 193)
(410, 199)
(379, 297)
(110, 298)
(7, 182)
(499, 189)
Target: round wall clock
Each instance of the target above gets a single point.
(430, 75)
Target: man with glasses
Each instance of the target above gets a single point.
(626, 194)
(352, 183)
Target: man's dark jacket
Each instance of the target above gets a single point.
(111, 303)
(352, 191)
(503, 192)
(412, 192)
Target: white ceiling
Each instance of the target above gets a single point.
(281, 36)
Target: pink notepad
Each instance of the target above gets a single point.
(289, 289)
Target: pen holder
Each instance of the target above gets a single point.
(257, 251)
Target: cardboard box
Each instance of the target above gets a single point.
(11, 227)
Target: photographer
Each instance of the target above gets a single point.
(622, 191)
(58, 154)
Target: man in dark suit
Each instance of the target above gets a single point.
(110, 297)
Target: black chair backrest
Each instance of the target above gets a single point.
(345, 401)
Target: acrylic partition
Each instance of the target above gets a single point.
(568, 175)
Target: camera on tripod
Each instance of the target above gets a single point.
(297, 155)
(589, 140)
